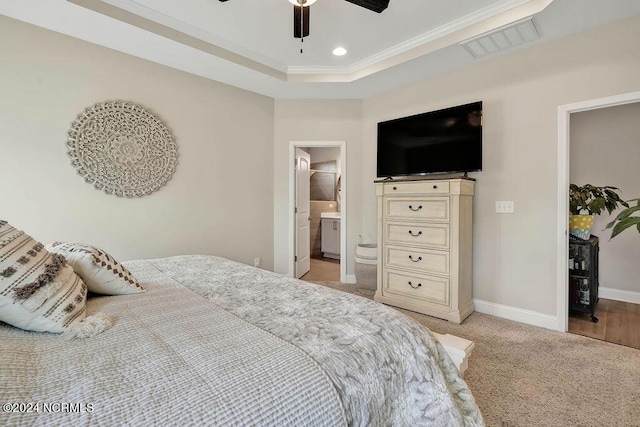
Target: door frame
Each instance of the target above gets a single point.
(564, 128)
(343, 201)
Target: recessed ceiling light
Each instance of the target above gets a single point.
(339, 51)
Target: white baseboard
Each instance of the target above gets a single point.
(619, 295)
(518, 314)
(351, 278)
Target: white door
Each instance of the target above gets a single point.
(303, 213)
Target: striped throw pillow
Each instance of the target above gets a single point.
(39, 291)
(99, 270)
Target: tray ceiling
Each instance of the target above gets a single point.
(250, 44)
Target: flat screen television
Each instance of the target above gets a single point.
(442, 141)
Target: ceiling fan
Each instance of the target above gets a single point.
(301, 13)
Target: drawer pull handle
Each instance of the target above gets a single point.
(395, 188)
(415, 287)
(415, 235)
(435, 187)
(415, 210)
(415, 260)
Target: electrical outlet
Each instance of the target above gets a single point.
(257, 262)
(505, 206)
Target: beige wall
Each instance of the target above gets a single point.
(316, 120)
(605, 150)
(210, 204)
(220, 200)
(325, 154)
(515, 255)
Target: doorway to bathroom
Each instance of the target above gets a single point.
(319, 211)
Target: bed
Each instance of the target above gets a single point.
(215, 342)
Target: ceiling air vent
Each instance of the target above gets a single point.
(504, 38)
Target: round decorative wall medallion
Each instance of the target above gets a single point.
(122, 149)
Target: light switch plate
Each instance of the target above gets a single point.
(505, 206)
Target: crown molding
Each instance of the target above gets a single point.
(179, 25)
(473, 25)
(153, 21)
(320, 69)
(484, 20)
(428, 37)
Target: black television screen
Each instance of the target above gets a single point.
(448, 140)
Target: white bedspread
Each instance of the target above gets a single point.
(172, 358)
(215, 342)
(387, 368)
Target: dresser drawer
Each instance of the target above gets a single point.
(422, 259)
(428, 208)
(417, 286)
(422, 187)
(433, 235)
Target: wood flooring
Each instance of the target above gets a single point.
(322, 270)
(619, 323)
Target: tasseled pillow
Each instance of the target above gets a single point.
(102, 273)
(39, 291)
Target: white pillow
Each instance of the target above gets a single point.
(39, 291)
(99, 270)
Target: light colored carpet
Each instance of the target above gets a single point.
(523, 375)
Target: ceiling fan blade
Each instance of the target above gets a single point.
(297, 10)
(374, 5)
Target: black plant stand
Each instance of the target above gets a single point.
(583, 275)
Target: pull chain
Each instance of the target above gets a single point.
(301, 26)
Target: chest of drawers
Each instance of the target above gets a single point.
(425, 246)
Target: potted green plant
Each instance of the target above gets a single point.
(625, 219)
(588, 200)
